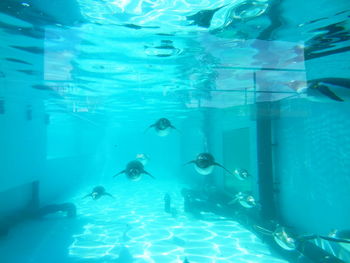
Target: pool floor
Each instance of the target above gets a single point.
(133, 227)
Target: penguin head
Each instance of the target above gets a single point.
(283, 239)
(241, 174)
(204, 160)
(163, 123)
(95, 195)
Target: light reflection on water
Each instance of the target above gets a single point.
(168, 56)
(168, 14)
(136, 222)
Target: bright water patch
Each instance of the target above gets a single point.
(167, 15)
(136, 222)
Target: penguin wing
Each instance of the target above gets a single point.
(334, 239)
(88, 195)
(345, 83)
(153, 125)
(145, 172)
(108, 194)
(263, 230)
(217, 164)
(233, 201)
(190, 162)
(327, 92)
(306, 238)
(119, 173)
(173, 127)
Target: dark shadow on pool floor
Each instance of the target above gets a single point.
(40, 241)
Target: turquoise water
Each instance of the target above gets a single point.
(263, 86)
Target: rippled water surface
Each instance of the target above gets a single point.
(172, 55)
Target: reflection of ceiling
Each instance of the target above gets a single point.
(248, 71)
(170, 15)
(39, 12)
(157, 55)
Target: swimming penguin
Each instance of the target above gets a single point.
(134, 170)
(284, 239)
(186, 261)
(241, 174)
(98, 192)
(244, 199)
(143, 158)
(328, 89)
(204, 164)
(162, 126)
(290, 242)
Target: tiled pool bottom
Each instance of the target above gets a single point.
(134, 227)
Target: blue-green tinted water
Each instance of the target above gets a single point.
(263, 86)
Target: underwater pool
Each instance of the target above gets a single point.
(135, 228)
(190, 131)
